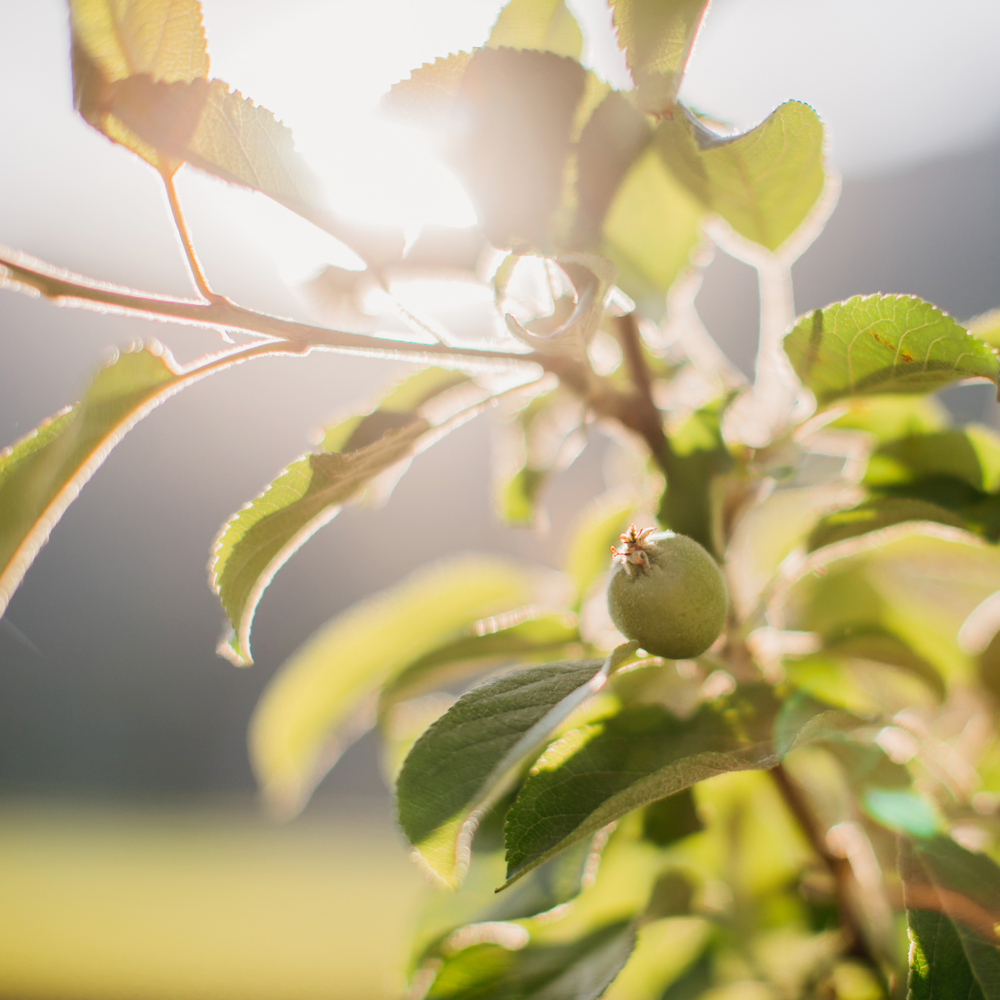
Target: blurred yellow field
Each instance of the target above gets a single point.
(196, 901)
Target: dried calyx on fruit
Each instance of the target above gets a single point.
(667, 593)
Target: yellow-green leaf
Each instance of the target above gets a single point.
(42, 474)
(657, 36)
(163, 38)
(257, 541)
(881, 344)
(650, 228)
(764, 182)
(580, 969)
(116, 39)
(298, 727)
(986, 327)
(427, 96)
(537, 24)
(614, 137)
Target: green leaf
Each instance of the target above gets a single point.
(888, 418)
(951, 898)
(539, 637)
(42, 474)
(881, 646)
(764, 182)
(650, 228)
(580, 970)
(257, 541)
(958, 470)
(970, 455)
(116, 39)
(883, 343)
(558, 881)
(597, 774)
(465, 760)
(695, 981)
(657, 36)
(308, 713)
(615, 136)
(986, 327)
(873, 515)
(546, 25)
(692, 459)
(671, 819)
(917, 584)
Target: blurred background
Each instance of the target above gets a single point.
(133, 859)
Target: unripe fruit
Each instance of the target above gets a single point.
(667, 594)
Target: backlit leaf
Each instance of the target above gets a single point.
(579, 970)
(537, 24)
(650, 228)
(883, 343)
(427, 96)
(764, 182)
(507, 129)
(308, 713)
(951, 897)
(971, 455)
(986, 327)
(116, 39)
(466, 759)
(257, 541)
(881, 646)
(615, 136)
(874, 514)
(671, 819)
(957, 470)
(888, 418)
(541, 636)
(917, 581)
(657, 36)
(42, 474)
(140, 75)
(594, 776)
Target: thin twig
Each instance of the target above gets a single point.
(27, 274)
(197, 273)
(840, 868)
(646, 411)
